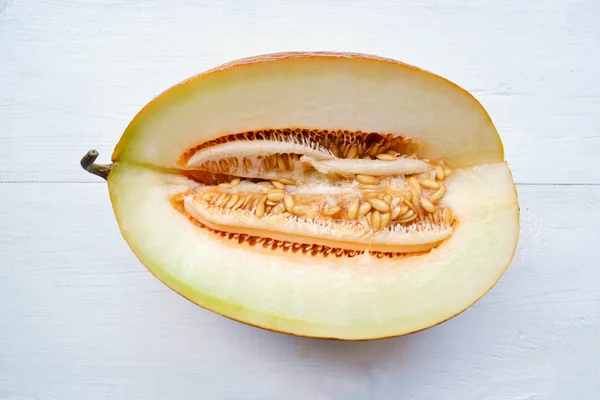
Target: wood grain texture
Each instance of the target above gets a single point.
(81, 318)
(73, 74)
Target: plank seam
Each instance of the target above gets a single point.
(17, 182)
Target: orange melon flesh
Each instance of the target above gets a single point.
(363, 297)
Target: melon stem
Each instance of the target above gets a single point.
(87, 163)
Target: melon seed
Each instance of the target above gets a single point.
(379, 205)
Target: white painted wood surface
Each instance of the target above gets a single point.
(80, 318)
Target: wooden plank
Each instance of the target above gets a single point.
(73, 74)
(80, 317)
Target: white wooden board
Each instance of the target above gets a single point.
(80, 317)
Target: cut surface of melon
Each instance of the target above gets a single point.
(358, 298)
(330, 195)
(322, 91)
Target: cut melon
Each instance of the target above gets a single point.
(326, 195)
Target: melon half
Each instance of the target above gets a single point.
(328, 195)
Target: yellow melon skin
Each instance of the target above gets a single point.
(344, 298)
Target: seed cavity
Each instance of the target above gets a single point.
(258, 148)
(342, 190)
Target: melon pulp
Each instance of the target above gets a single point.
(319, 194)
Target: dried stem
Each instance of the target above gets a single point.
(87, 163)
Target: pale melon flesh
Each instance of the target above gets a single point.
(360, 297)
